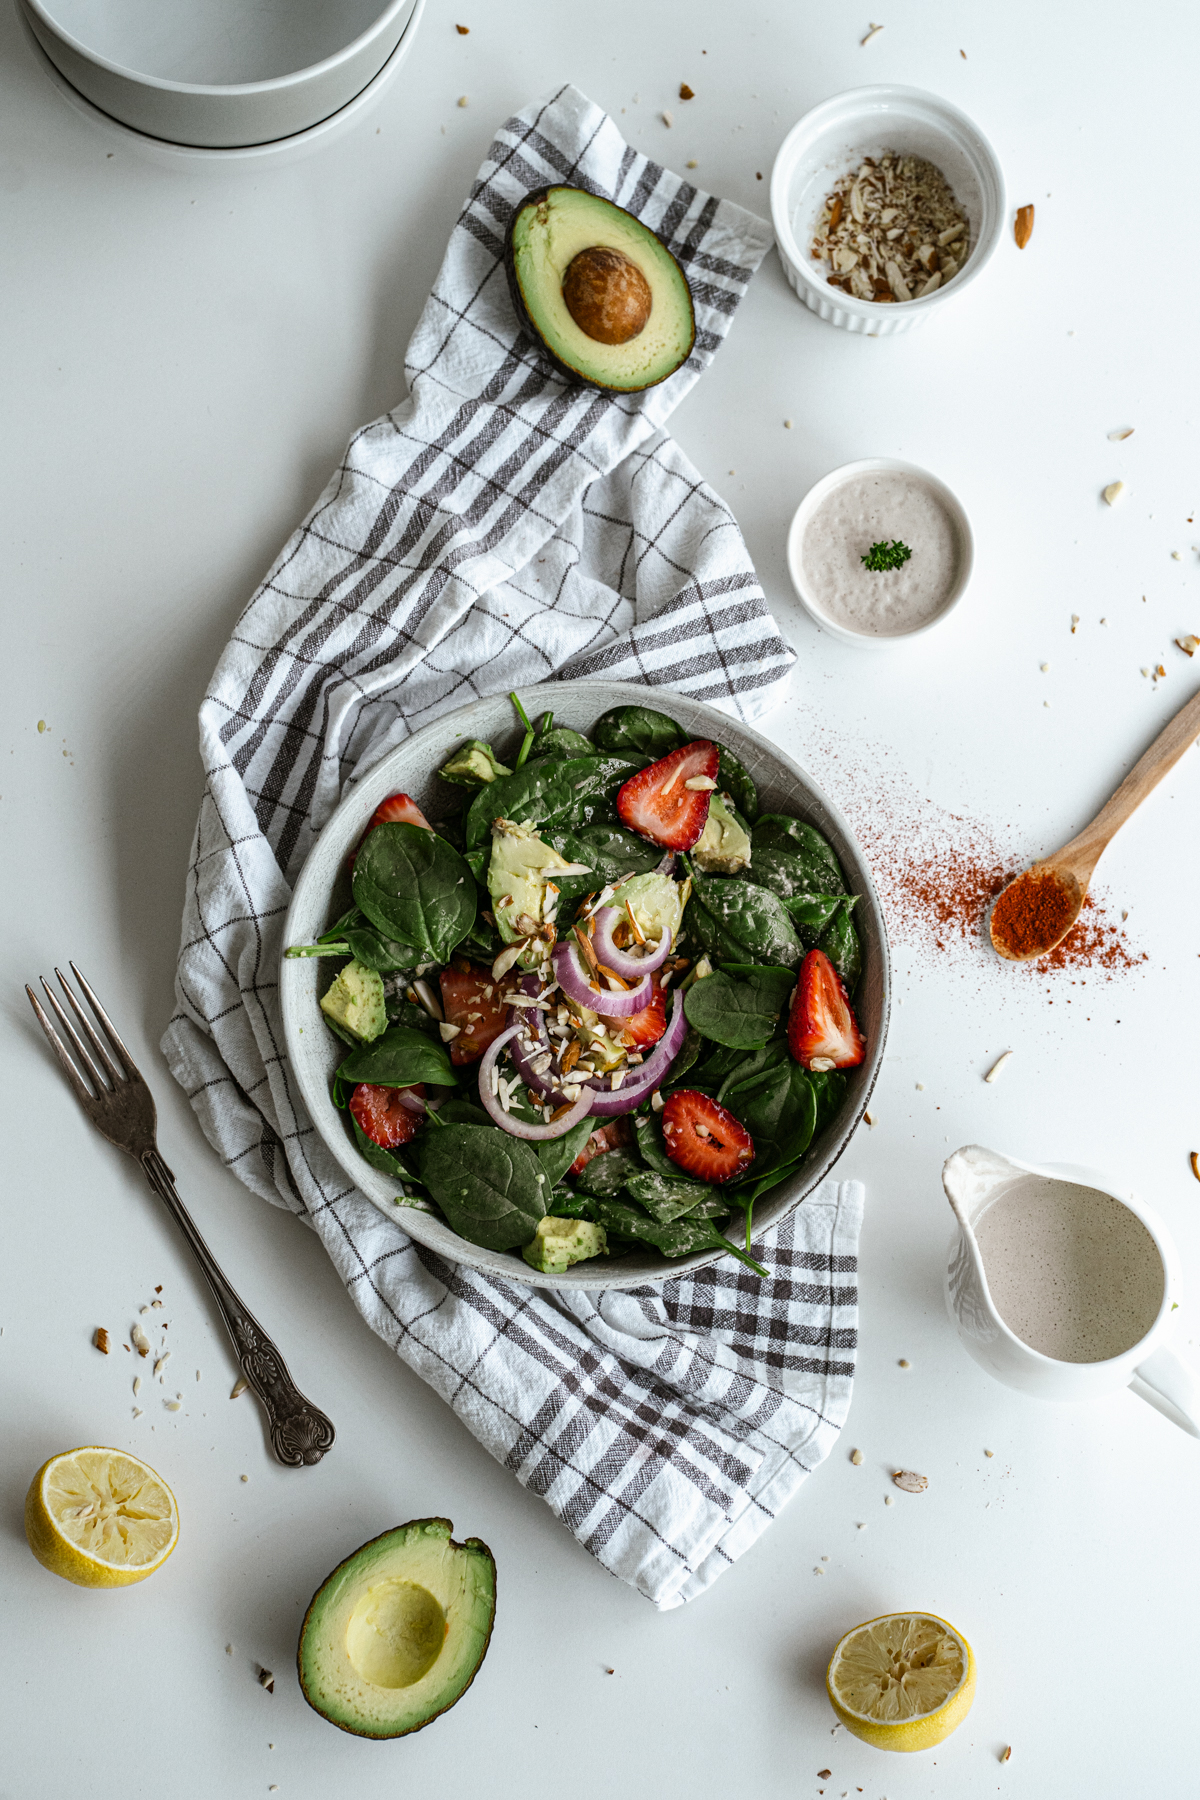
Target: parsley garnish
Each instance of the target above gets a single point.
(886, 556)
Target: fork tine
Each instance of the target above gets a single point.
(89, 1066)
(93, 1036)
(131, 1068)
(82, 1093)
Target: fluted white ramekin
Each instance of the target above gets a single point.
(832, 139)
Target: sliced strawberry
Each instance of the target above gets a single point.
(605, 1137)
(658, 803)
(398, 809)
(383, 1116)
(704, 1138)
(822, 1029)
(471, 1000)
(647, 1026)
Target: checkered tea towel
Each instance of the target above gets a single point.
(499, 528)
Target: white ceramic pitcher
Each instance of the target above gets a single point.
(974, 1178)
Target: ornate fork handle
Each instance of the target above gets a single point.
(300, 1432)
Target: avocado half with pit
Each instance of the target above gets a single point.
(396, 1634)
(604, 298)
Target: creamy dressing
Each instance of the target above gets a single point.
(1071, 1271)
(879, 506)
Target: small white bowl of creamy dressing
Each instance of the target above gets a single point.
(880, 501)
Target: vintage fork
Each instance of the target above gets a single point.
(122, 1109)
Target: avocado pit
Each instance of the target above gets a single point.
(607, 295)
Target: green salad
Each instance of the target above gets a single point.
(602, 1003)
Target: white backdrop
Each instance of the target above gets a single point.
(186, 351)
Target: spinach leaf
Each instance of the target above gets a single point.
(737, 921)
(679, 1238)
(811, 913)
(458, 1110)
(490, 1186)
(749, 1069)
(607, 1173)
(648, 1127)
(560, 742)
(557, 1154)
(566, 1205)
(691, 1049)
(779, 1110)
(388, 1162)
(606, 851)
(839, 941)
(665, 1199)
(415, 887)
(739, 1013)
(402, 1012)
(354, 935)
(817, 870)
(829, 1085)
(637, 729)
(548, 793)
(736, 781)
(400, 1058)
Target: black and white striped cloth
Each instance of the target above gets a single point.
(497, 529)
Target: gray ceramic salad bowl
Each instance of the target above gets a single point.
(315, 1053)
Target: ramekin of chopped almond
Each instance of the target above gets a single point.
(886, 201)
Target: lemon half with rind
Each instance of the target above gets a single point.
(903, 1681)
(100, 1518)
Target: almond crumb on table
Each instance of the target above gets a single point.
(856, 1457)
(100, 1340)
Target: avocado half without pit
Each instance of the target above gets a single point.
(606, 300)
(396, 1634)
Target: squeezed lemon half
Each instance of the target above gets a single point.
(903, 1681)
(100, 1518)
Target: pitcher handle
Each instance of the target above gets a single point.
(1168, 1384)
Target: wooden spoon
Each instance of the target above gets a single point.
(1073, 865)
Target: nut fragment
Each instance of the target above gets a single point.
(856, 1457)
(909, 1482)
(874, 32)
(1023, 226)
(667, 119)
(1007, 1754)
(1118, 437)
(141, 1342)
(998, 1066)
(1112, 493)
(100, 1339)
(266, 1680)
(685, 92)
(161, 1364)
(239, 1387)
(1194, 1159)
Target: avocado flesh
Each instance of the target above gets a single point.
(356, 1001)
(548, 231)
(519, 868)
(474, 765)
(723, 847)
(656, 903)
(396, 1634)
(558, 1243)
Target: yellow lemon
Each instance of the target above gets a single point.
(100, 1518)
(902, 1682)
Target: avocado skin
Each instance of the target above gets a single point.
(529, 323)
(474, 1544)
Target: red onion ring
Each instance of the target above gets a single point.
(532, 1020)
(574, 980)
(610, 1103)
(622, 962)
(520, 1128)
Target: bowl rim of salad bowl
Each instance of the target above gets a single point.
(314, 1052)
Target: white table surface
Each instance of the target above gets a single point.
(186, 350)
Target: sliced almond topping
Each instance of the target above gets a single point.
(141, 1342)
(1189, 644)
(100, 1339)
(700, 784)
(239, 1387)
(1112, 493)
(1023, 226)
(1118, 437)
(909, 1482)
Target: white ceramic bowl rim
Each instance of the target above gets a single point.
(827, 485)
(579, 703)
(872, 98)
(233, 89)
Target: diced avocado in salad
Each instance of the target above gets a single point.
(613, 1003)
(723, 847)
(357, 1002)
(557, 1243)
(473, 764)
